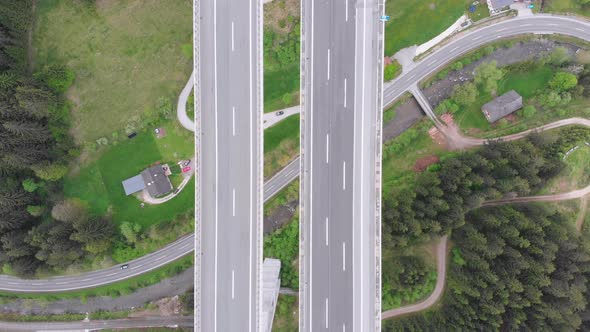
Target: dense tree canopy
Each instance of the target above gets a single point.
(439, 200)
(525, 269)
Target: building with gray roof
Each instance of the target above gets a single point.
(133, 185)
(501, 106)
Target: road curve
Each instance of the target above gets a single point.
(465, 42)
(183, 118)
(441, 270)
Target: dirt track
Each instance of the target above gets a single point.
(459, 141)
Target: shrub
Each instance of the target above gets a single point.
(391, 71)
(563, 81)
(529, 111)
(57, 77)
(30, 185)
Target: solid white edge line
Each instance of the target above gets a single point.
(310, 119)
(252, 112)
(216, 161)
(234, 202)
(232, 36)
(233, 117)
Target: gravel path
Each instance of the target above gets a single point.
(176, 285)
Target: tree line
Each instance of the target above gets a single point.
(38, 228)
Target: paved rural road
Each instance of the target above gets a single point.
(228, 119)
(342, 82)
(136, 323)
(463, 43)
(185, 121)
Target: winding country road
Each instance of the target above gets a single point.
(463, 43)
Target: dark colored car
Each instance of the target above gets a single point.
(280, 113)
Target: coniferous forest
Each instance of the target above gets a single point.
(512, 268)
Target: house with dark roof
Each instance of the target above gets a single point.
(154, 180)
(501, 106)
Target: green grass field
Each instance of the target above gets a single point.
(126, 54)
(281, 144)
(397, 167)
(576, 174)
(527, 84)
(99, 184)
(566, 6)
(418, 21)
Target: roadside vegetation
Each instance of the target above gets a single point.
(281, 144)
(281, 54)
(286, 315)
(283, 244)
(289, 194)
(554, 87)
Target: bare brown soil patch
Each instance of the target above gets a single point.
(422, 164)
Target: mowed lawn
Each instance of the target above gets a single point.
(418, 21)
(125, 53)
(100, 185)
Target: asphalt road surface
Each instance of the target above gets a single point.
(228, 81)
(340, 111)
(136, 323)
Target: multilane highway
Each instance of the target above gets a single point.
(460, 44)
(228, 118)
(341, 110)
